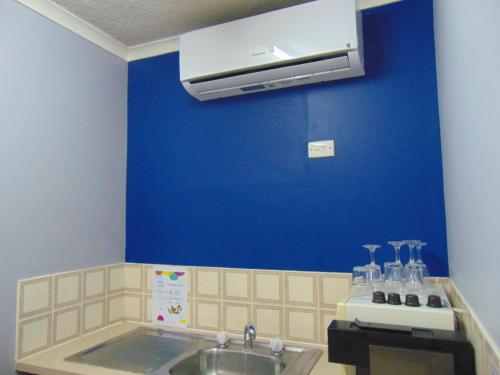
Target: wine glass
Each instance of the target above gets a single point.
(359, 275)
(419, 246)
(411, 245)
(373, 272)
(397, 247)
(414, 279)
(394, 270)
(419, 263)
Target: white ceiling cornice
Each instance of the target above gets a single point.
(87, 31)
(79, 26)
(155, 48)
(367, 4)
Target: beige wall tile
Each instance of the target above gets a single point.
(208, 282)
(300, 288)
(147, 309)
(34, 335)
(325, 318)
(94, 315)
(134, 279)
(267, 286)
(66, 325)
(148, 277)
(35, 296)
(444, 281)
(236, 316)
(68, 289)
(301, 325)
(207, 315)
(455, 299)
(191, 272)
(115, 309)
(477, 342)
(268, 320)
(237, 284)
(487, 362)
(448, 286)
(465, 321)
(333, 289)
(191, 308)
(94, 283)
(341, 311)
(491, 361)
(133, 307)
(116, 278)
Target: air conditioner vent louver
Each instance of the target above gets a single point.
(342, 57)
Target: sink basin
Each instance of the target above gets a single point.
(162, 352)
(228, 362)
(141, 351)
(207, 359)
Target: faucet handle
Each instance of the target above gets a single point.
(277, 346)
(222, 339)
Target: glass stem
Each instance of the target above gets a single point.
(372, 257)
(398, 257)
(412, 257)
(419, 254)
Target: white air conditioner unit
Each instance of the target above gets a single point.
(308, 43)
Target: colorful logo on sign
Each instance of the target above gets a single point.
(171, 275)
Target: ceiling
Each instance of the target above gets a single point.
(133, 22)
(136, 29)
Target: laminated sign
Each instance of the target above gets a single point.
(169, 302)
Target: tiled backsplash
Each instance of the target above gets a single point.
(487, 353)
(292, 305)
(57, 308)
(296, 306)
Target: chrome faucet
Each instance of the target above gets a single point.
(249, 336)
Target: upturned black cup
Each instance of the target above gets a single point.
(394, 299)
(434, 301)
(378, 297)
(412, 300)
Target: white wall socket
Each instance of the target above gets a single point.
(321, 149)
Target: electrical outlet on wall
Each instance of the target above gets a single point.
(321, 149)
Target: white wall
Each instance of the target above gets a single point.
(63, 119)
(468, 67)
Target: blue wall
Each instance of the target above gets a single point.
(228, 182)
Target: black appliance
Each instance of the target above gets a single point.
(376, 349)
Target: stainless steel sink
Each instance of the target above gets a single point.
(221, 361)
(162, 352)
(217, 361)
(208, 359)
(141, 351)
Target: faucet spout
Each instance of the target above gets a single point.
(249, 336)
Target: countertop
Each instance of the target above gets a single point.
(51, 362)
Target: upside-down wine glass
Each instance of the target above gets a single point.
(413, 274)
(420, 264)
(411, 245)
(419, 246)
(394, 270)
(397, 248)
(359, 275)
(373, 273)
